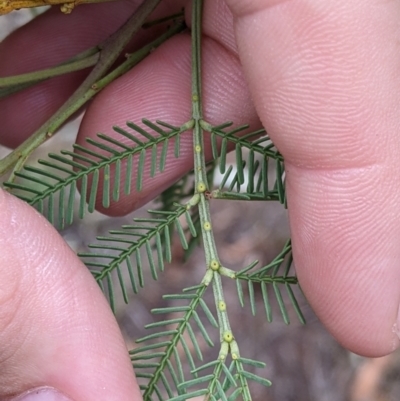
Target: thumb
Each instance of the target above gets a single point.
(324, 78)
(57, 334)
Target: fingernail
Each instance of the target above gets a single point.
(42, 394)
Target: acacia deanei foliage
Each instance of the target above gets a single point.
(109, 166)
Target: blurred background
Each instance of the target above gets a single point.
(304, 362)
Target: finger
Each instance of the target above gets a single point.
(56, 328)
(324, 79)
(48, 40)
(160, 89)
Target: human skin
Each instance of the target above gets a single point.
(321, 76)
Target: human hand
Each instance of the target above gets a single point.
(323, 79)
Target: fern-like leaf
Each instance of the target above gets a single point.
(159, 364)
(270, 279)
(257, 141)
(116, 251)
(223, 383)
(52, 187)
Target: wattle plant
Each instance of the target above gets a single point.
(109, 167)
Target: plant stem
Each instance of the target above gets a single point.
(134, 58)
(200, 174)
(7, 6)
(109, 52)
(49, 72)
(8, 90)
(201, 185)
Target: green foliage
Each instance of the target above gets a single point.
(62, 175)
(105, 169)
(252, 184)
(267, 276)
(159, 366)
(117, 250)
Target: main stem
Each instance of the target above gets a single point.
(201, 187)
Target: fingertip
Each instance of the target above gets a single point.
(344, 235)
(56, 328)
(333, 114)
